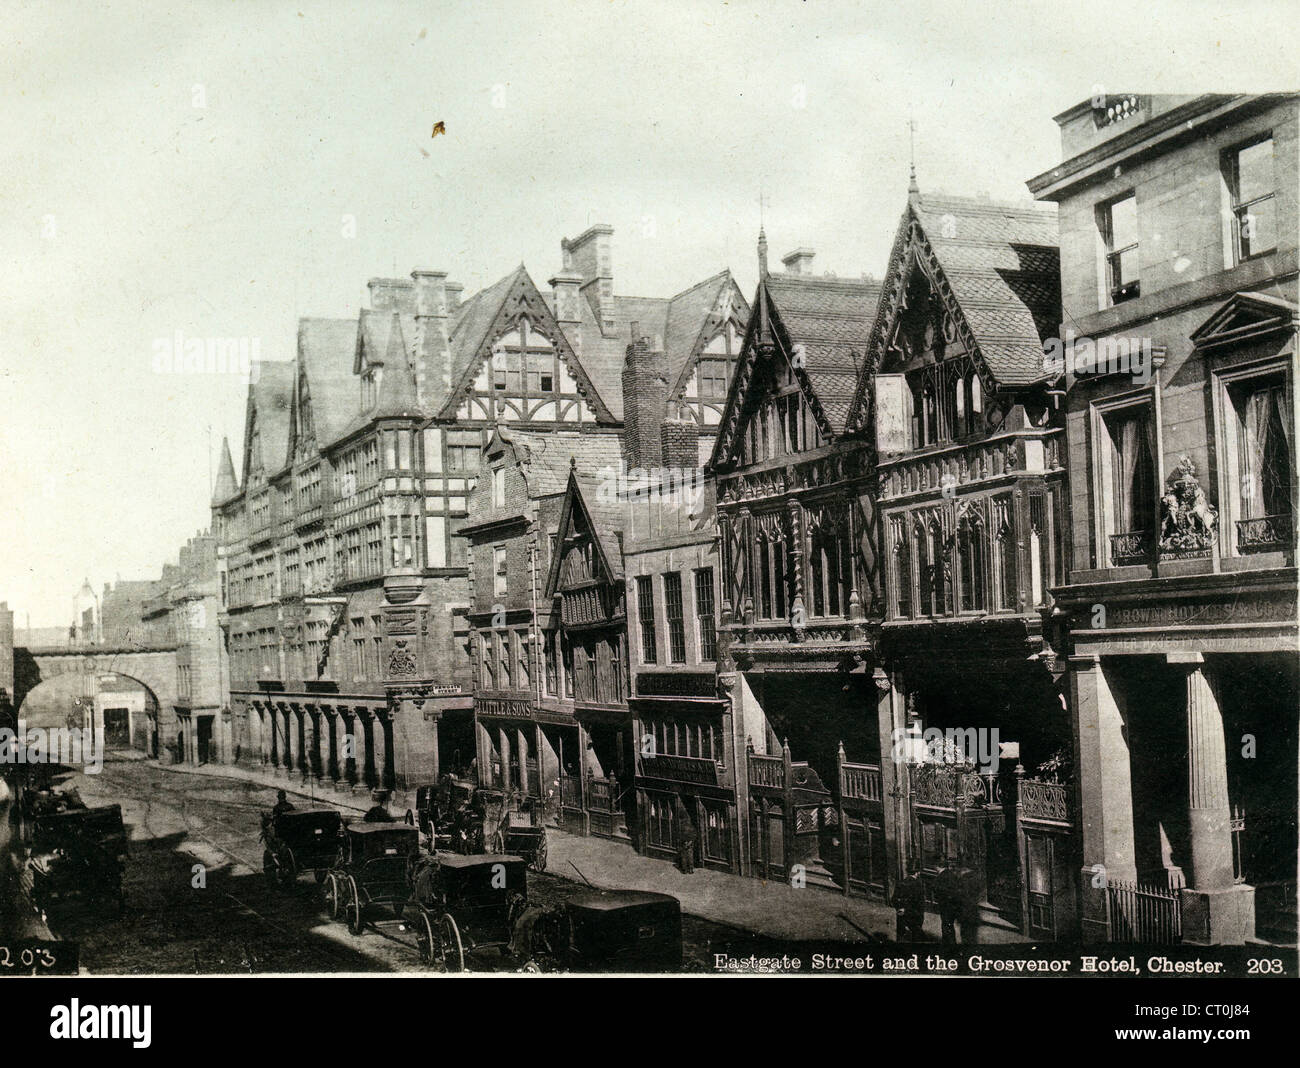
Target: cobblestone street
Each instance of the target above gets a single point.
(236, 922)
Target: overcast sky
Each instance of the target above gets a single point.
(131, 212)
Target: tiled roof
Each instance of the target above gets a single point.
(688, 314)
(226, 485)
(831, 318)
(1003, 264)
(546, 457)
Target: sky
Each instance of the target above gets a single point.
(220, 169)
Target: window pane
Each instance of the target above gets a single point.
(1259, 227)
(676, 623)
(645, 603)
(1123, 223)
(1255, 171)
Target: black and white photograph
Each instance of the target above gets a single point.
(676, 488)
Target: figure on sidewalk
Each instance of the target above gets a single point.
(947, 898)
(969, 914)
(686, 837)
(909, 906)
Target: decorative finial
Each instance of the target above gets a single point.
(912, 187)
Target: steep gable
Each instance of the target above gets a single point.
(266, 420)
(512, 363)
(588, 511)
(996, 271)
(704, 327)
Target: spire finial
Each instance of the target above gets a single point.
(762, 234)
(912, 187)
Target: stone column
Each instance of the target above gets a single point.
(889, 722)
(286, 736)
(311, 726)
(1105, 792)
(298, 721)
(271, 744)
(331, 720)
(365, 717)
(387, 778)
(1215, 908)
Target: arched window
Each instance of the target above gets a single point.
(976, 397)
(971, 554)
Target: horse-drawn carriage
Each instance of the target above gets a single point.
(610, 931)
(298, 841)
(75, 854)
(467, 904)
(375, 866)
(458, 816)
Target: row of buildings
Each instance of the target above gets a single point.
(737, 561)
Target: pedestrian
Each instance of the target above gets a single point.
(281, 803)
(969, 905)
(909, 906)
(947, 898)
(378, 812)
(686, 837)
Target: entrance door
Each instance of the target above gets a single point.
(205, 739)
(117, 728)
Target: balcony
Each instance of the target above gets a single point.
(1132, 547)
(1264, 533)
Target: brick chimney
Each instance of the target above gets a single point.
(432, 344)
(645, 396)
(590, 255)
(799, 261)
(681, 443)
(391, 294)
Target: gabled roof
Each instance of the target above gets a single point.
(270, 398)
(597, 508)
(375, 329)
(1245, 315)
(694, 315)
(825, 319)
(326, 355)
(546, 457)
(492, 312)
(997, 264)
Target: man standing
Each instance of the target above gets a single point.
(281, 803)
(909, 906)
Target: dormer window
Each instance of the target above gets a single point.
(370, 387)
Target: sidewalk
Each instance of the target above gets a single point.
(771, 910)
(765, 909)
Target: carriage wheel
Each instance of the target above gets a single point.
(498, 843)
(539, 858)
(356, 920)
(425, 939)
(450, 952)
(332, 894)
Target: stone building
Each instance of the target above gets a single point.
(1178, 239)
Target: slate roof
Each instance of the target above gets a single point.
(831, 318)
(548, 454)
(326, 353)
(689, 312)
(270, 395)
(226, 485)
(1003, 263)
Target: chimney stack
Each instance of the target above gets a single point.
(391, 294)
(432, 343)
(645, 397)
(454, 290)
(590, 255)
(799, 261)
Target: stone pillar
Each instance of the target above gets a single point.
(354, 754)
(271, 747)
(311, 725)
(387, 776)
(1215, 909)
(1105, 793)
(331, 721)
(890, 712)
(286, 736)
(298, 722)
(369, 777)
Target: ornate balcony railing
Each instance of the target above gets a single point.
(1041, 800)
(1264, 532)
(1132, 547)
(943, 785)
(860, 782)
(766, 771)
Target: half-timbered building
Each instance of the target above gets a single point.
(799, 588)
(973, 516)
